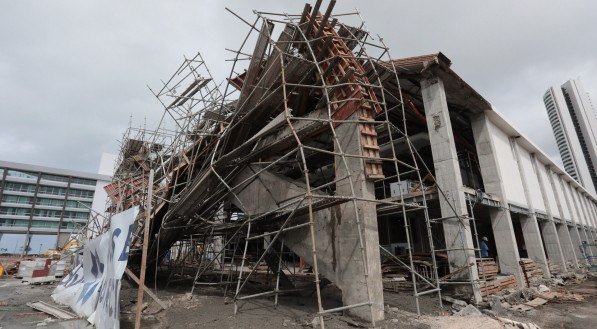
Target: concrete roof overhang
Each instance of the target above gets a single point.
(412, 70)
(458, 93)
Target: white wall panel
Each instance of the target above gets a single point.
(508, 167)
(549, 192)
(560, 192)
(575, 205)
(532, 180)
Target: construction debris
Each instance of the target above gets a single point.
(273, 181)
(52, 310)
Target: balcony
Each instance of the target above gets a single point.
(44, 229)
(18, 205)
(77, 209)
(52, 183)
(51, 196)
(6, 216)
(23, 193)
(83, 187)
(41, 206)
(13, 229)
(74, 198)
(48, 219)
(21, 179)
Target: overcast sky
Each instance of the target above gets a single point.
(72, 73)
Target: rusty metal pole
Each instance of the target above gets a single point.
(144, 255)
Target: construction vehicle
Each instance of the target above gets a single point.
(69, 247)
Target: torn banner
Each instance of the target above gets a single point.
(93, 288)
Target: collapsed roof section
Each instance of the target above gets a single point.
(301, 147)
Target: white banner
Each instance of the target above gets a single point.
(93, 288)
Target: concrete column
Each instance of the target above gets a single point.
(530, 226)
(533, 242)
(501, 220)
(573, 230)
(585, 237)
(590, 215)
(550, 233)
(581, 221)
(581, 207)
(350, 262)
(552, 244)
(576, 241)
(337, 247)
(562, 229)
(457, 232)
(567, 245)
(594, 207)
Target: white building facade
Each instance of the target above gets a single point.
(41, 206)
(574, 123)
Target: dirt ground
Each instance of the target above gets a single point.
(208, 309)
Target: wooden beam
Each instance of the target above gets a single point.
(144, 255)
(147, 290)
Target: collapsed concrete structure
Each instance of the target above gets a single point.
(328, 148)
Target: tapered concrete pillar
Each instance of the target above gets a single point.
(530, 226)
(501, 220)
(567, 245)
(351, 271)
(338, 251)
(573, 229)
(550, 234)
(585, 237)
(457, 232)
(552, 244)
(576, 241)
(532, 240)
(562, 228)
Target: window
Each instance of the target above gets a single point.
(55, 178)
(67, 225)
(14, 222)
(52, 190)
(15, 211)
(16, 199)
(47, 213)
(49, 202)
(22, 174)
(76, 215)
(83, 181)
(78, 204)
(18, 187)
(44, 224)
(80, 193)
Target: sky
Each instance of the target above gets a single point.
(73, 74)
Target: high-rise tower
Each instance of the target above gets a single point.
(574, 123)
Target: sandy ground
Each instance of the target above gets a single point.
(208, 309)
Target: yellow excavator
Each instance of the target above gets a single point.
(71, 246)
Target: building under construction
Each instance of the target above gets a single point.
(323, 160)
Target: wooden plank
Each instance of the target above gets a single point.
(52, 310)
(536, 302)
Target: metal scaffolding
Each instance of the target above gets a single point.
(243, 168)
